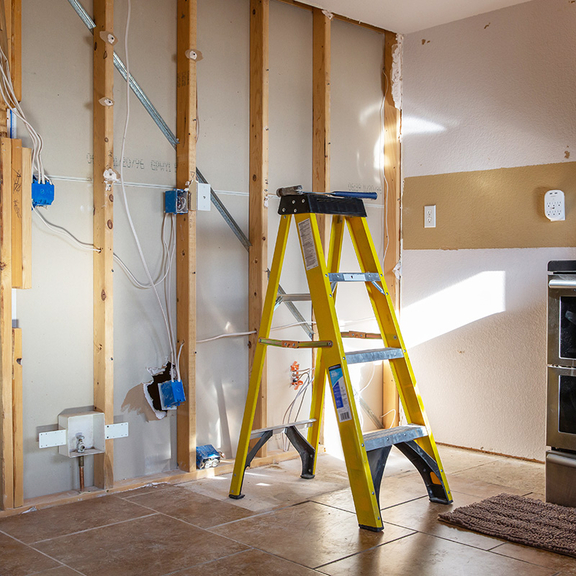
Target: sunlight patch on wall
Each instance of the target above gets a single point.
(475, 298)
(414, 125)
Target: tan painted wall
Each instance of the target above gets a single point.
(490, 208)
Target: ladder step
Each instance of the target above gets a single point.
(392, 436)
(281, 428)
(293, 298)
(354, 277)
(296, 343)
(374, 355)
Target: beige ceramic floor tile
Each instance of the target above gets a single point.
(277, 485)
(249, 563)
(422, 515)
(565, 564)
(17, 559)
(459, 459)
(61, 520)
(393, 491)
(60, 571)
(149, 546)
(524, 476)
(190, 507)
(479, 488)
(425, 555)
(151, 489)
(310, 534)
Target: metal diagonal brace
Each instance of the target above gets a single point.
(170, 136)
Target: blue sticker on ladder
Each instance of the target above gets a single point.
(335, 375)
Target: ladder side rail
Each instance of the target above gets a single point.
(319, 382)
(359, 473)
(259, 357)
(389, 327)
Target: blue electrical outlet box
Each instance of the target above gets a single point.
(207, 457)
(176, 202)
(42, 193)
(171, 394)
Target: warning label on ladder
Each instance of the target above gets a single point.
(340, 394)
(308, 248)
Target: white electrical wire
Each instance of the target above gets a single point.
(173, 354)
(9, 96)
(91, 248)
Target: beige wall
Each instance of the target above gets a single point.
(489, 127)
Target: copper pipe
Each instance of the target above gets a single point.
(81, 470)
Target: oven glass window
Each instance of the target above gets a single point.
(567, 416)
(568, 327)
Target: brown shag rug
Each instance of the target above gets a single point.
(522, 520)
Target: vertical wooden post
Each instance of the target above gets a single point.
(186, 231)
(15, 41)
(17, 416)
(392, 173)
(321, 113)
(321, 47)
(6, 430)
(21, 215)
(257, 277)
(103, 224)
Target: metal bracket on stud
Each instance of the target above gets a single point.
(193, 54)
(108, 37)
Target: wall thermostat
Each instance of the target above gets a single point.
(554, 205)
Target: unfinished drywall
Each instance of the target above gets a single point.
(490, 92)
(56, 314)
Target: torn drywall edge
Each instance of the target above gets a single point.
(396, 72)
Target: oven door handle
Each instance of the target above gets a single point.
(562, 283)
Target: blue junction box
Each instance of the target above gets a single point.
(42, 193)
(171, 394)
(207, 457)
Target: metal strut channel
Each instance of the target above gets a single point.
(165, 129)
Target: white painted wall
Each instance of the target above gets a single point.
(492, 91)
(56, 314)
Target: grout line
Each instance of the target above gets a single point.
(367, 549)
(180, 570)
(93, 528)
(42, 553)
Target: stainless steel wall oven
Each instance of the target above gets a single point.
(561, 389)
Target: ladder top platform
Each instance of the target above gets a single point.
(392, 436)
(310, 203)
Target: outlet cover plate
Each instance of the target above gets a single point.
(430, 216)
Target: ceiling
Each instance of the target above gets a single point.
(406, 16)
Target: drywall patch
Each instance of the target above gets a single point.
(396, 72)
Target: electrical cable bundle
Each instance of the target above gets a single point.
(8, 94)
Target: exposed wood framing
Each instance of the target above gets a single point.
(257, 277)
(17, 418)
(103, 224)
(321, 113)
(15, 45)
(321, 37)
(6, 431)
(186, 231)
(392, 167)
(21, 216)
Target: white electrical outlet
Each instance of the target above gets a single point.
(554, 205)
(430, 216)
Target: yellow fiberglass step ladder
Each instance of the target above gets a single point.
(365, 454)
